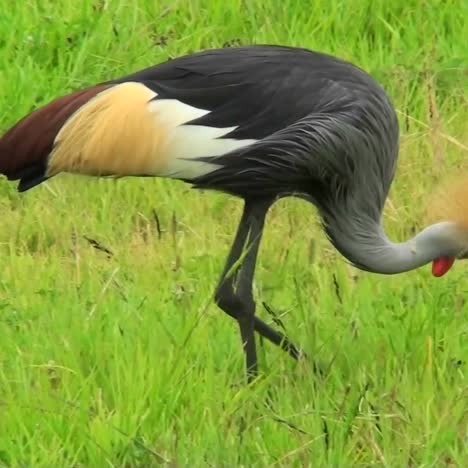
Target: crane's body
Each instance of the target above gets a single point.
(176, 118)
(258, 122)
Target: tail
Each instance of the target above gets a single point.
(107, 129)
(25, 148)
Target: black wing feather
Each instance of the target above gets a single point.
(259, 89)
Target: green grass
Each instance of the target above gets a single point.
(123, 360)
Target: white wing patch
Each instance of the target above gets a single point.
(173, 112)
(185, 142)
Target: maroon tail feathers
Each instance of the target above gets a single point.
(24, 148)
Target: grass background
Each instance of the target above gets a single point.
(121, 359)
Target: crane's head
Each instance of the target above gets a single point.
(451, 204)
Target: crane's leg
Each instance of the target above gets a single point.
(234, 292)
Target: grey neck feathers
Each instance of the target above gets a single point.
(364, 144)
(366, 246)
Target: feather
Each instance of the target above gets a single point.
(113, 134)
(25, 147)
(450, 202)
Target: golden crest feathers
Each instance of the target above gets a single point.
(450, 201)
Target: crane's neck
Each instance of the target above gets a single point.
(366, 245)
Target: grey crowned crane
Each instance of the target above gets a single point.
(260, 123)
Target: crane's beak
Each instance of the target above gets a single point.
(441, 265)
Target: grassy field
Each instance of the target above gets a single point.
(121, 359)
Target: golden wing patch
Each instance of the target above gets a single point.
(112, 134)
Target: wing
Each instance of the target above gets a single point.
(296, 108)
(263, 99)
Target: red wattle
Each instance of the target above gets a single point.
(441, 265)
